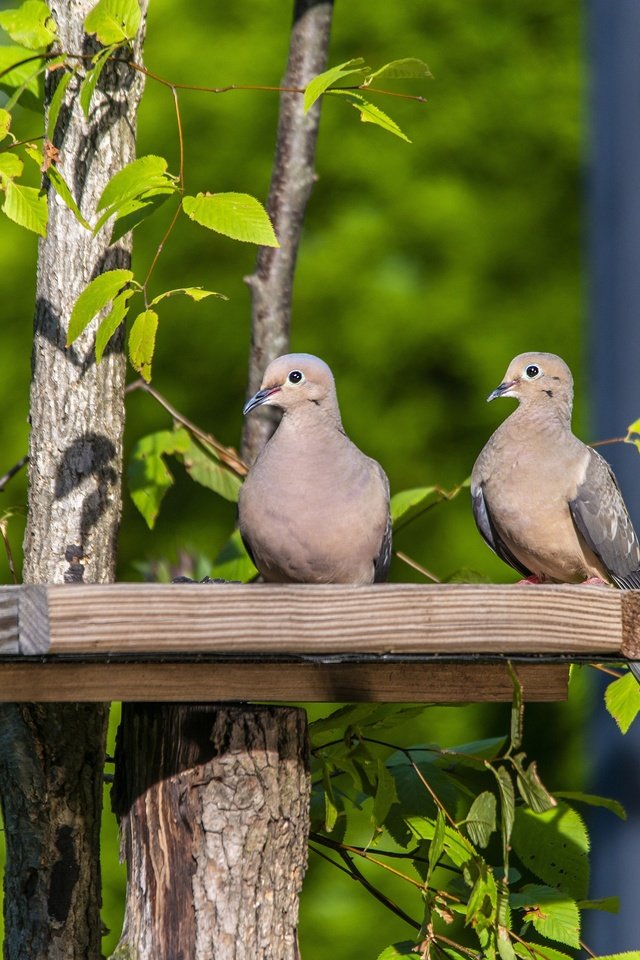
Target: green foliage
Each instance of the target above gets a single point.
(236, 215)
(30, 25)
(26, 206)
(57, 99)
(114, 21)
(94, 298)
(369, 113)
(20, 72)
(233, 562)
(142, 342)
(622, 699)
(92, 76)
(553, 845)
(134, 193)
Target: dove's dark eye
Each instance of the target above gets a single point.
(295, 376)
(532, 371)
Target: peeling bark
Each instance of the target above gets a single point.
(214, 819)
(52, 756)
(291, 183)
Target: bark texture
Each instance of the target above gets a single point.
(51, 756)
(291, 183)
(214, 823)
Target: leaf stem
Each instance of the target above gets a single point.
(16, 468)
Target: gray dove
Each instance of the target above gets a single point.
(313, 508)
(545, 502)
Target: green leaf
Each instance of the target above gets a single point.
(517, 709)
(505, 947)
(362, 715)
(483, 900)
(142, 342)
(110, 323)
(552, 913)
(5, 123)
(355, 69)
(196, 293)
(531, 788)
(554, 845)
(634, 427)
(134, 212)
(409, 68)
(57, 100)
(507, 808)
(90, 82)
(456, 846)
(481, 818)
(436, 846)
(30, 25)
(233, 562)
(622, 699)
(594, 801)
(207, 470)
(539, 951)
(114, 21)
(134, 180)
(25, 74)
(11, 166)
(26, 206)
(236, 215)
(385, 795)
(627, 955)
(148, 475)
(408, 504)
(59, 185)
(94, 298)
(610, 904)
(475, 752)
(330, 806)
(369, 113)
(405, 949)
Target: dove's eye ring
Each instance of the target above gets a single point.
(532, 372)
(295, 377)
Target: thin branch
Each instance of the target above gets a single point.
(16, 468)
(416, 566)
(603, 443)
(607, 670)
(227, 455)
(378, 894)
(158, 252)
(359, 852)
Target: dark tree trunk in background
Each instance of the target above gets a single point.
(51, 756)
(291, 183)
(214, 824)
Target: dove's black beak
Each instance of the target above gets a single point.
(501, 390)
(258, 398)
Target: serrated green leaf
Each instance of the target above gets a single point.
(539, 951)
(148, 476)
(385, 795)
(530, 786)
(91, 78)
(593, 801)
(11, 166)
(57, 99)
(408, 504)
(26, 70)
(553, 913)
(26, 206)
(481, 818)
(369, 113)
(505, 947)
(482, 903)
(206, 470)
(409, 68)
(362, 715)
(507, 808)
(610, 904)
(135, 179)
(406, 949)
(436, 846)
(196, 293)
(5, 123)
(355, 69)
(142, 342)
(235, 215)
(517, 708)
(30, 25)
(553, 845)
(456, 846)
(233, 562)
(134, 212)
(622, 699)
(94, 298)
(110, 323)
(114, 21)
(59, 185)
(626, 955)
(634, 427)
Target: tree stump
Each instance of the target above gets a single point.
(213, 809)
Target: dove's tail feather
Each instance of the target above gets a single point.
(629, 582)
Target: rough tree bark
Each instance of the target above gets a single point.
(291, 183)
(51, 756)
(214, 823)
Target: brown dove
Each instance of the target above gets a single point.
(313, 508)
(545, 502)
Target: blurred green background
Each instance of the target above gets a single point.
(423, 269)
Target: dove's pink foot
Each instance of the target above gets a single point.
(532, 579)
(594, 582)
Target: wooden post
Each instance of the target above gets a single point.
(213, 809)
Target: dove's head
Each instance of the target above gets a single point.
(537, 379)
(296, 382)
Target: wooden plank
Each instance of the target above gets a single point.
(9, 637)
(392, 618)
(207, 682)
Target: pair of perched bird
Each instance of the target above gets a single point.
(315, 509)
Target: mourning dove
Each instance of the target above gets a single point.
(313, 508)
(546, 503)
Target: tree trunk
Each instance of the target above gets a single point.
(293, 177)
(214, 823)
(51, 756)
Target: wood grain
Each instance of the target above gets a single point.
(208, 682)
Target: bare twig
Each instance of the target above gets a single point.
(16, 468)
(416, 566)
(227, 455)
(601, 667)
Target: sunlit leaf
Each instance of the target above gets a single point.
(196, 293)
(90, 82)
(24, 74)
(385, 795)
(148, 476)
(634, 427)
(11, 166)
(30, 24)
(136, 178)
(539, 951)
(57, 100)
(369, 113)
(530, 786)
(236, 215)
(593, 801)
(5, 123)
(114, 21)
(406, 949)
(233, 562)
(481, 818)
(553, 913)
(209, 472)
(142, 342)
(622, 699)
(136, 211)
(507, 808)
(553, 845)
(626, 955)
(95, 298)
(60, 186)
(408, 504)
(610, 904)
(408, 68)
(26, 206)
(355, 70)
(110, 323)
